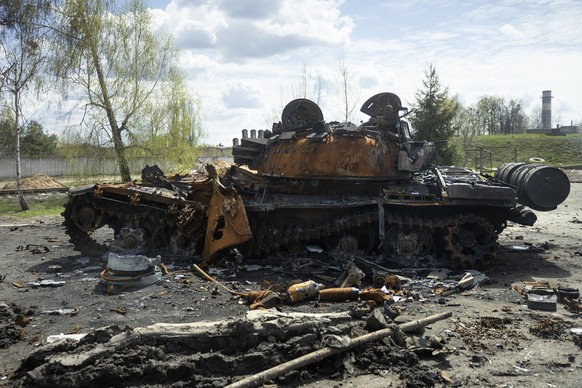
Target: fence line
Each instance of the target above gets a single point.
(489, 158)
(56, 167)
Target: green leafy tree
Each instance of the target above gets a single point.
(23, 42)
(433, 116)
(489, 112)
(37, 143)
(7, 135)
(496, 116)
(111, 55)
(172, 133)
(33, 140)
(513, 118)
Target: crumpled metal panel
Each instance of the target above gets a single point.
(228, 224)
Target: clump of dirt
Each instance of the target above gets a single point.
(9, 332)
(38, 181)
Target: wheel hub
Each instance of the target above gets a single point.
(406, 241)
(467, 239)
(347, 244)
(130, 239)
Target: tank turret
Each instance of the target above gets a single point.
(305, 146)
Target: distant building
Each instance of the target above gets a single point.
(547, 119)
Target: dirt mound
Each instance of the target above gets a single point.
(38, 181)
(214, 354)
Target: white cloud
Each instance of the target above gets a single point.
(510, 31)
(241, 95)
(197, 65)
(243, 57)
(250, 9)
(239, 30)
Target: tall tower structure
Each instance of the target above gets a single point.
(547, 109)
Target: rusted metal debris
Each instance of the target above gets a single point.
(544, 296)
(33, 248)
(550, 328)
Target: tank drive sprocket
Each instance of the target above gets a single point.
(81, 219)
(469, 241)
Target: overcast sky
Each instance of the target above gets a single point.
(243, 57)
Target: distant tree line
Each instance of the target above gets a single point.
(34, 141)
(438, 116)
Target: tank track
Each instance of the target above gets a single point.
(84, 214)
(464, 240)
(270, 237)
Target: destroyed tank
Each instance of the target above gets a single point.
(307, 182)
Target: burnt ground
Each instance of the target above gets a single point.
(492, 339)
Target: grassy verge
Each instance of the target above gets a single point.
(40, 205)
(559, 151)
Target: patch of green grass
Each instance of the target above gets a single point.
(40, 205)
(559, 151)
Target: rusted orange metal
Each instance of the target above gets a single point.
(228, 224)
(357, 155)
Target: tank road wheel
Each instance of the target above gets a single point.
(183, 244)
(367, 238)
(81, 219)
(342, 243)
(132, 236)
(362, 239)
(470, 242)
(408, 241)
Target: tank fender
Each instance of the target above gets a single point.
(80, 190)
(228, 224)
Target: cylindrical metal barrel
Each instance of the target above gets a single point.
(539, 187)
(339, 294)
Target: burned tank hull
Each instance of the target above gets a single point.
(342, 187)
(370, 188)
(446, 211)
